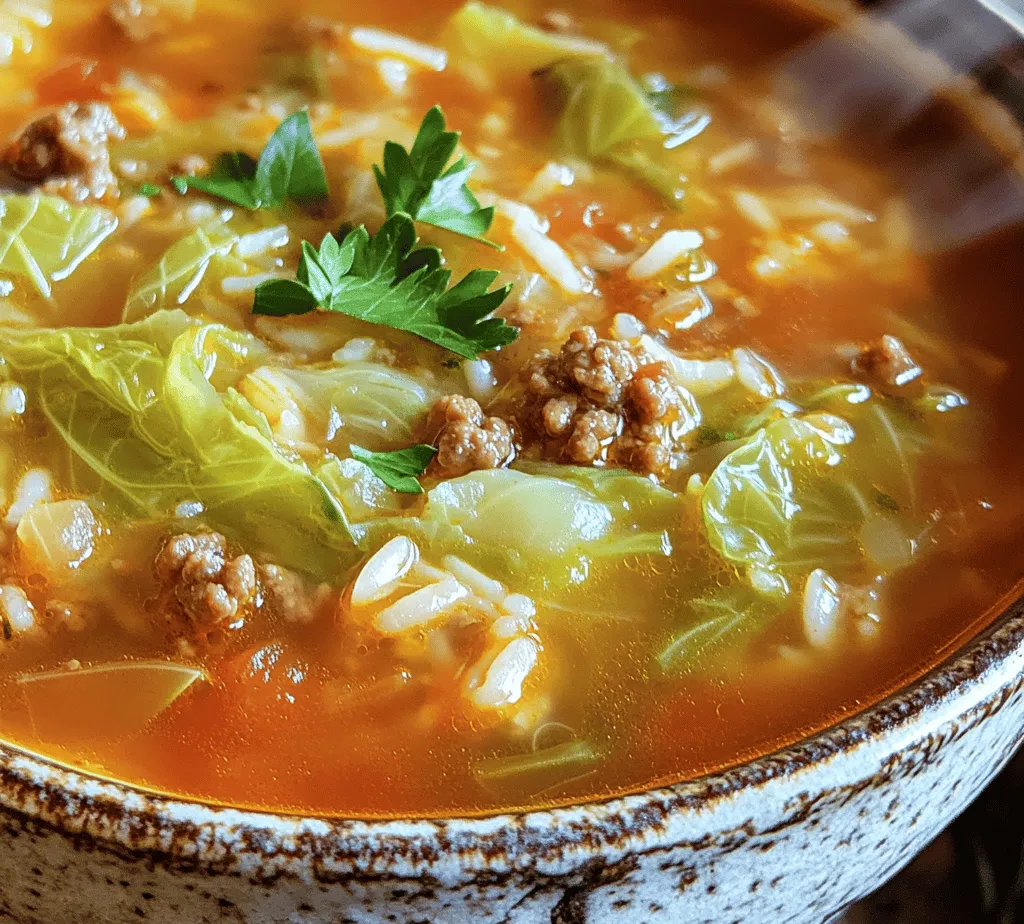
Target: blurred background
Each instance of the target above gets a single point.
(973, 873)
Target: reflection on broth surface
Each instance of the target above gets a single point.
(305, 525)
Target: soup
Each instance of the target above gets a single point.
(353, 466)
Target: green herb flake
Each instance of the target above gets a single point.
(420, 183)
(289, 169)
(384, 279)
(148, 189)
(400, 469)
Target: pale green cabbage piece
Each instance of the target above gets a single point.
(782, 501)
(148, 410)
(535, 515)
(181, 269)
(45, 239)
(723, 618)
(495, 40)
(603, 107)
(607, 116)
(370, 404)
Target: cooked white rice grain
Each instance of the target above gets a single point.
(520, 605)
(502, 684)
(259, 242)
(833, 234)
(132, 209)
(627, 327)
(821, 608)
(699, 376)
(756, 211)
(394, 75)
(387, 566)
(666, 251)
(682, 310)
(378, 41)
(421, 606)
(547, 181)
(18, 612)
(810, 205)
(735, 156)
(233, 285)
(756, 374)
(13, 400)
(477, 581)
(480, 379)
(380, 576)
(530, 233)
(358, 349)
(35, 487)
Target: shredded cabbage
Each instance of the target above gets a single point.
(494, 40)
(607, 116)
(781, 502)
(366, 403)
(149, 412)
(45, 238)
(172, 281)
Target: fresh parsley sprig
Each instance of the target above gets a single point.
(385, 279)
(420, 184)
(289, 169)
(400, 469)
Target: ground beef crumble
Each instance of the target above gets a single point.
(65, 151)
(209, 587)
(602, 401)
(468, 440)
(886, 364)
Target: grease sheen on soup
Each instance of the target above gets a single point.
(739, 460)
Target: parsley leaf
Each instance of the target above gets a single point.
(384, 280)
(399, 469)
(289, 168)
(417, 183)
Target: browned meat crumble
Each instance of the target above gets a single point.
(602, 401)
(886, 364)
(65, 151)
(209, 587)
(468, 440)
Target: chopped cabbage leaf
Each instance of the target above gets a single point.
(45, 238)
(723, 618)
(607, 116)
(541, 530)
(181, 269)
(103, 702)
(643, 510)
(541, 515)
(603, 107)
(366, 403)
(781, 502)
(149, 411)
(497, 41)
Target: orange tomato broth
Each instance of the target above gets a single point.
(261, 733)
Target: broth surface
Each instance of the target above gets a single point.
(653, 650)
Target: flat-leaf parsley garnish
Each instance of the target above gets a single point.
(385, 279)
(419, 183)
(400, 469)
(289, 169)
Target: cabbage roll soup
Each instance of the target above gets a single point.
(423, 409)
